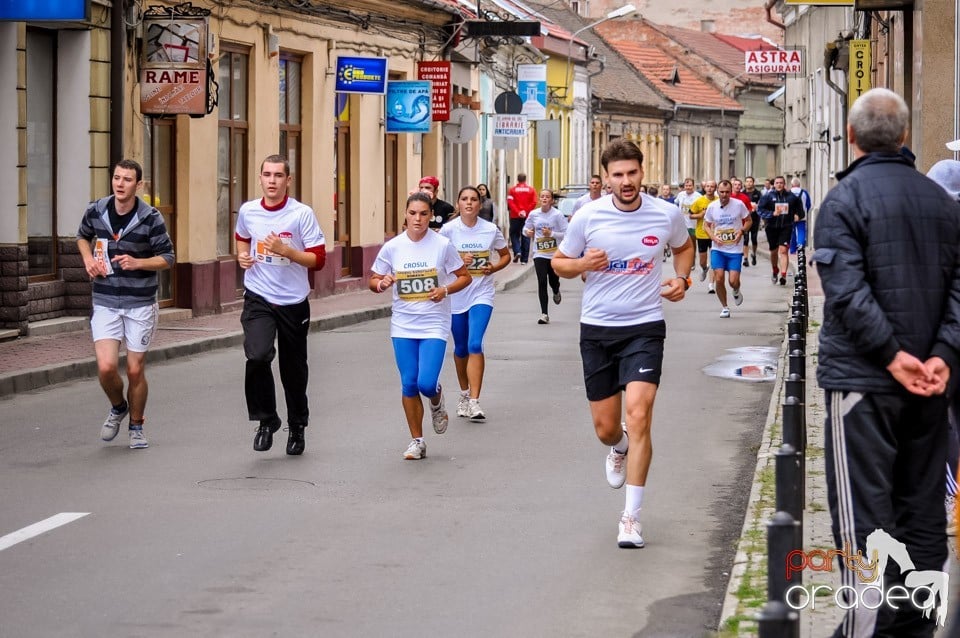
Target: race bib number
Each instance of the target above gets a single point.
(481, 258)
(266, 256)
(781, 209)
(101, 254)
(726, 236)
(417, 285)
(546, 244)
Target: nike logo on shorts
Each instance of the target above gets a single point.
(645, 370)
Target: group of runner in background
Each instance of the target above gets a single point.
(719, 224)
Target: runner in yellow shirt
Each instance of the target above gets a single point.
(697, 210)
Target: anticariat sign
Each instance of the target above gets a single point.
(776, 61)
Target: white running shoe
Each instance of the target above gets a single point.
(476, 412)
(415, 451)
(737, 297)
(112, 424)
(439, 415)
(543, 319)
(616, 469)
(725, 313)
(711, 289)
(703, 274)
(137, 440)
(630, 528)
(463, 403)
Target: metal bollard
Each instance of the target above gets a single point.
(783, 537)
(797, 363)
(789, 482)
(796, 338)
(776, 620)
(795, 387)
(796, 310)
(793, 424)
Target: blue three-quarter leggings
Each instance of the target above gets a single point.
(419, 362)
(468, 329)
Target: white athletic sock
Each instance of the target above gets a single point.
(634, 500)
(622, 445)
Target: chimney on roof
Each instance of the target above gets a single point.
(707, 26)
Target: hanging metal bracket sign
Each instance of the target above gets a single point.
(175, 71)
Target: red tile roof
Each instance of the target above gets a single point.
(747, 43)
(725, 51)
(660, 69)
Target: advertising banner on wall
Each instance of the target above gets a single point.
(173, 69)
(35, 10)
(361, 75)
(775, 61)
(532, 88)
(408, 106)
(438, 72)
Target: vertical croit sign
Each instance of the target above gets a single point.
(858, 77)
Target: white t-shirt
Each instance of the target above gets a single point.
(277, 279)
(627, 293)
(484, 242)
(537, 220)
(727, 220)
(419, 267)
(581, 201)
(685, 201)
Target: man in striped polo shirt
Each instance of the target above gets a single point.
(124, 242)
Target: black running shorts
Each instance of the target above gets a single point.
(615, 356)
(779, 235)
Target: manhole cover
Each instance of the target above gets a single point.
(256, 484)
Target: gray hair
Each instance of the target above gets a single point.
(879, 119)
(795, 181)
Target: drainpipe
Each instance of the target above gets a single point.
(769, 7)
(117, 64)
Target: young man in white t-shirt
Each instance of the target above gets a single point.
(726, 221)
(278, 243)
(622, 330)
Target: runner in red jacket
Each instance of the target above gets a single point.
(521, 199)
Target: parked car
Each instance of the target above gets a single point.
(567, 196)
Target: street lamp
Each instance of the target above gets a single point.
(626, 9)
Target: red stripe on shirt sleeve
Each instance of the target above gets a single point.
(241, 238)
(321, 254)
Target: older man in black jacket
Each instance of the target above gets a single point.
(888, 255)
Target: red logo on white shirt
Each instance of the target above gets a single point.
(650, 240)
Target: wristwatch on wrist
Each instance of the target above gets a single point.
(687, 282)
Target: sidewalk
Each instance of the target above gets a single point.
(30, 363)
(747, 588)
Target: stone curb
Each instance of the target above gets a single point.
(816, 524)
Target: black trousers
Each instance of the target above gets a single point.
(545, 272)
(885, 458)
(263, 323)
(519, 242)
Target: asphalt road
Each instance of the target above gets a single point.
(506, 529)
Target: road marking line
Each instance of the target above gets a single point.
(36, 529)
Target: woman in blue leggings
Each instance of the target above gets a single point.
(422, 269)
(484, 250)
